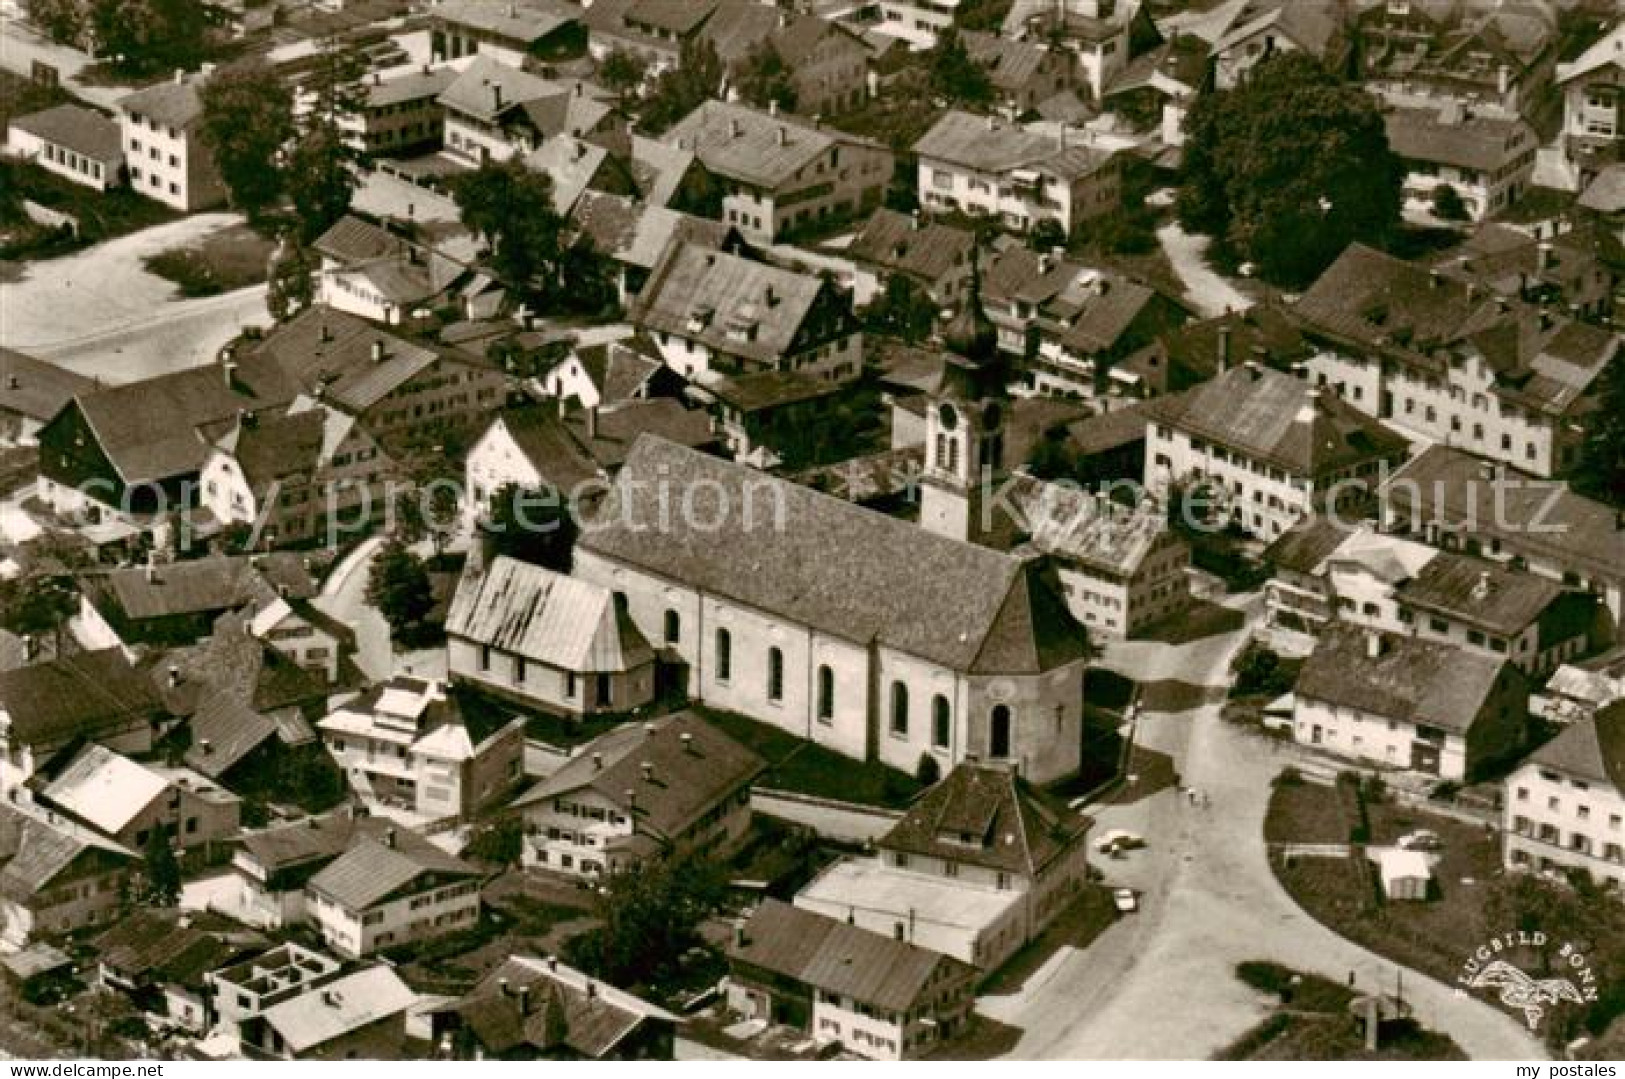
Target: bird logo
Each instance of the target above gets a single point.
(1519, 990)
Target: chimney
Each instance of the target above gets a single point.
(331, 998)
(389, 838)
(1224, 349)
(1311, 405)
(592, 990)
(773, 107)
(1481, 590)
(377, 350)
(581, 89)
(377, 78)
(174, 676)
(496, 98)
(1545, 317)
(914, 220)
(180, 76)
(502, 987)
(740, 937)
(524, 1000)
(688, 742)
(553, 963)
(1374, 645)
(992, 123)
(1254, 369)
(783, 135)
(598, 762)
(30, 646)
(1435, 279)
(1044, 264)
(327, 334)
(1543, 256)
(631, 800)
(230, 368)
(12, 383)
(735, 128)
(592, 423)
(648, 729)
(648, 769)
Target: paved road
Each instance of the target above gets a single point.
(20, 46)
(1210, 294)
(99, 311)
(1210, 903)
(344, 596)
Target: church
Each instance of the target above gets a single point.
(875, 637)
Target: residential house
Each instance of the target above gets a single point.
(978, 866)
(398, 116)
(668, 788)
(540, 1009)
(1487, 160)
(176, 603)
(245, 989)
(126, 453)
(1578, 270)
(635, 237)
(1448, 498)
(1427, 52)
(665, 176)
(766, 417)
(575, 166)
(1121, 568)
(653, 31)
(875, 996)
(1565, 805)
(56, 877)
(272, 865)
(1593, 88)
(1194, 352)
(128, 802)
(1082, 331)
(165, 156)
(781, 172)
(546, 641)
(401, 392)
(46, 708)
(1270, 447)
(360, 1016)
(1443, 359)
(161, 960)
(1106, 35)
(988, 166)
(519, 34)
(31, 393)
(495, 112)
(395, 889)
(1579, 690)
(918, 22)
(1318, 28)
(312, 639)
(406, 743)
(828, 62)
(715, 314)
(975, 639)
(1410, 704)
(613, 373)
(1023, 73)
(74, 142)
(1156, 91)
(932, 256)
(1325, 572)
(370, 271)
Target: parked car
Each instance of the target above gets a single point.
(1126, 900)
(1421, 839)
(1117, 840)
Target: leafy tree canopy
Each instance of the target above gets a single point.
(532, 526)
(512, 208)
(955, 76)
(764, 79)
(1601, 471)
(680, 90)
(247, 120)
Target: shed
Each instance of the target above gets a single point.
(1406, 874)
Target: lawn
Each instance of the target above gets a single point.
(1304, 812)
(102, 215)
(232, 259)
(806, 768)
(1313, 1022)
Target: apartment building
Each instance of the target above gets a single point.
(1565, 805)
(398, 115)
(165, 156)
(992, 167)
(1269, 448)
(1488, 161)
(516, 34)
(780, 172)
(669, 787)
(1456, 365)
(1500, 56)
(494, 112)
(56, 877)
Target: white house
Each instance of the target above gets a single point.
(164, 152)
(1593, 88)
(391, 890)
(76, 143)
(1565, 804)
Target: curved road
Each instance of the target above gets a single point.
(1161, 984)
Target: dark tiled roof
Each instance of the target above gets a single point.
(202, 585)
(620, 369)
(1457, 490)
(556, 1011)
(272, 448)
(33, 852)
(889, 239)
(772, 389)
(858, 575)
(334, 350)
(1484, 594)
(842, 960)
(684, 781)
(988, 816)
(620, 426)
(1304, 546)
(1592, 748)
(548, 445)
(757, 155)
(1412, 680)
(984, 143)
(1264, 415)
(35, 388)
(373, 869)
(1108, 431)
(174, 103)
(353, 240)
(731, 303)
(312, 840)
(80, 696)
(77, 128)
(1480, 142)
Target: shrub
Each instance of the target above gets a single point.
(1289, 777)
(929, 771)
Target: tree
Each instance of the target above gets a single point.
(63, 21)
(650, 915)
(1448, 205)
(247, 121)
(955, 76)
(500, 843)
(148, 35)
(319, 180)
(512, 209)
(1046, 235)
(764, 79)
(291, 281)
(34, 606)
(398, 585)
(1600, 473)
(902, 310)
(1289, 168)
(159, 883)
(532, 525)
(623, 72)
(680, 90)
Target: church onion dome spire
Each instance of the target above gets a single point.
(971, 333)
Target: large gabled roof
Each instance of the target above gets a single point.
(104, 789)
(83, 695)
(987, 815)
(373, 869)
(842, 960)
(861, 576)
(731, 303)
(35, 388)
(339, 1007)
(749, 145)
(1591, 748)
(548, 1006)
(34, 851)
(338, 352)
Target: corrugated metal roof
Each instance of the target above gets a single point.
(104, 789)
(545, 616)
